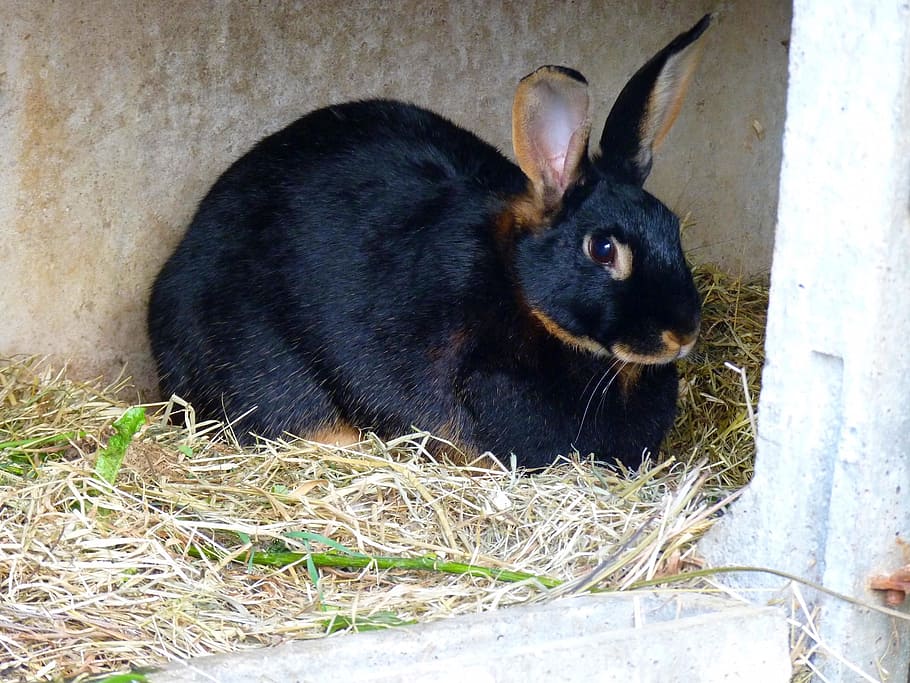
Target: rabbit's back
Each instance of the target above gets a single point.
(325, 262)
(384, 168)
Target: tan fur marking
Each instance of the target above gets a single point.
(464, 455)
(337, 434)
(628, 376)
(459, 452)
(622, 267)
(566, 337)
(674, 348)
(523, 106)
(683, 343)
(529, 213)
(525, 213)
(504, 226)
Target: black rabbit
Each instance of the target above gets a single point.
(374, 266)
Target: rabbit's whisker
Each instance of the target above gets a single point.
(603, 393)
(602, 377)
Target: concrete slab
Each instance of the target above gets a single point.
(617, 637)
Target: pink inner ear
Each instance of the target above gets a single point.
(556, 166)
(556, 135)
(550, 129)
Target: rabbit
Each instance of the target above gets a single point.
(373, 266)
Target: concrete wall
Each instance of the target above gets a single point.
(116, 116)
(829, 500)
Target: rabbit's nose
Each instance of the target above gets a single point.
(685, 349)
(679, 344)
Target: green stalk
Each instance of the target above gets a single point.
(432, 564)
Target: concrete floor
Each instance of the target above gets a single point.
(623, 637)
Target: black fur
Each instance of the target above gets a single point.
(349, 269)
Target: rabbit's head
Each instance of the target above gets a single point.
(598, 259)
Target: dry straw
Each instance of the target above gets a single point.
(186, 552)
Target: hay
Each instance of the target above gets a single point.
(715, 419)
(156, 567)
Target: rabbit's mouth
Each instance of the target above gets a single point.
(673, 347)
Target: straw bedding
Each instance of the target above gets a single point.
(98, 577)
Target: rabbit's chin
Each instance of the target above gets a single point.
(672, 350)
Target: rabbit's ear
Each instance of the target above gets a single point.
(647, 107)
(550, 128)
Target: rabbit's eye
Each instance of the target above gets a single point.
(601, 250)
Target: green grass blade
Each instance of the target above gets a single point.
(373, 622)
(49, 440)
(122, 678)
(325, 540)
